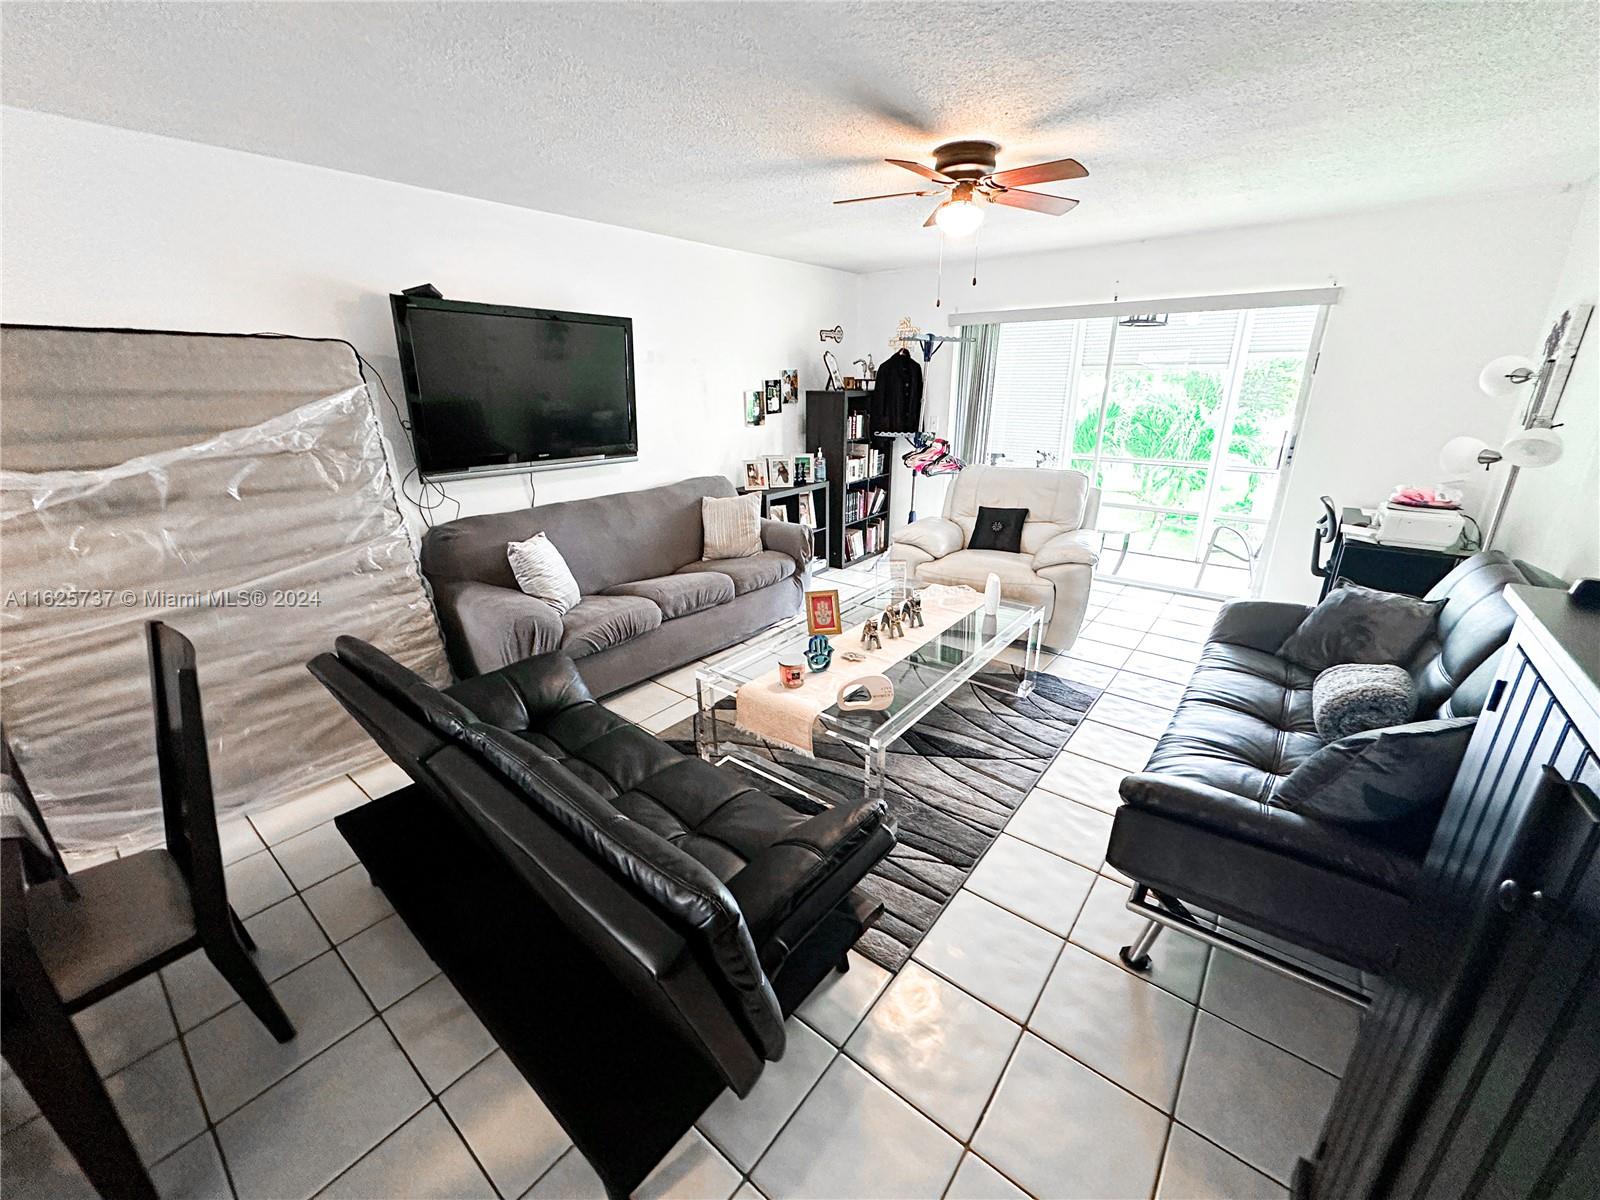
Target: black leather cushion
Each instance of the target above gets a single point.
(1454, 668)
(998, 529)
(680, 595)
(1243, 725)
(750, 573)
(662, 873)
(599, 622)
(1355, 624)
(1389, 784)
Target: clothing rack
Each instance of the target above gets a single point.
(928, 342)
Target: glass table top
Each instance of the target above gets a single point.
(924, 678)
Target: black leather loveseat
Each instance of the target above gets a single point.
(712, 908)
(1200, 828)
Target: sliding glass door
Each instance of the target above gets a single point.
(1185, 422)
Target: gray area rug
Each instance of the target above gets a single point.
(952, 784)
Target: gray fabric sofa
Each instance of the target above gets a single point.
(649, 602)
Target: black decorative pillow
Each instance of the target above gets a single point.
(1356, 697)
(1355, 624)
(998, 529)
(1389, 784)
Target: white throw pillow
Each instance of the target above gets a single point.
(733, 526)
(542, 572)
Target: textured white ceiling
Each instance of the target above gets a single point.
(736, 124)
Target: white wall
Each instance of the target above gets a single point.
(1431, 292)
(109, 227)
(1553, 518)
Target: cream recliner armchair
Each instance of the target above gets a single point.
(1059, 542)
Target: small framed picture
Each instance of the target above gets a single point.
(755, 408)
(791, 387)
(851, 383)
(806, 511)
(822, 613)
(778, 513)
(755, 474)
(802, 469)
(774, 392)
(780, 471)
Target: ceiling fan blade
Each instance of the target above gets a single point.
(917, 168)
(1055, 206)
(1050, 172)
(933, 216)
(887, 196)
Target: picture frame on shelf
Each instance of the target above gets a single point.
(774, 394)
(803, 469)
(778, 513)
(791, 386)
(755, 411)
(780, 471)
(851, 383)
(806, 511)
(823, 614)
(755, 474)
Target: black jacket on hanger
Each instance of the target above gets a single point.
(896, 402)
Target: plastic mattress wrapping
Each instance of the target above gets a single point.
(257, 517)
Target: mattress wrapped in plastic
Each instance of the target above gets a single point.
(258, 518)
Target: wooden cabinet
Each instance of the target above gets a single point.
(1477, 1070)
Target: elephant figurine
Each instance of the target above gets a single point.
(913, 610)
(869, 635)
(891, 622)
(819, 652)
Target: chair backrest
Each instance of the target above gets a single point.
(20, 817)
(183, 764)
(649, 882)
(1453, 671)
(605, 540)
(1057, 501)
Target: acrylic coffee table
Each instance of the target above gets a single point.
(922, 680)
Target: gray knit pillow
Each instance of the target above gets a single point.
(1356, 697)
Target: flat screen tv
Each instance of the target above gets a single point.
(492, 389)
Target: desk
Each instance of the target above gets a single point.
(1405, 569)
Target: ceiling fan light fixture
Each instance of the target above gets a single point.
(959, 218)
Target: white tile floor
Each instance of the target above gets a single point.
(1012, 1056)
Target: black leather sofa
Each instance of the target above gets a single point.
(714, 908)
(1199, 828)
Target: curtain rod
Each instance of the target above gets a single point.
(1123, 308)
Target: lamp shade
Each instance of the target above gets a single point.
(1459, 456)
(1502, 377)
(1538, 447)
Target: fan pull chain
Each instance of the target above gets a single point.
(975, 257)
(938, 291)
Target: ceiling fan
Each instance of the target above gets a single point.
(963, 172)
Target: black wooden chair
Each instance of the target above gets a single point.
(69, 942)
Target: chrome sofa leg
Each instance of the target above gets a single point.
(1137, 956)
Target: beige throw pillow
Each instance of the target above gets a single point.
(732, 526)
(542, 572)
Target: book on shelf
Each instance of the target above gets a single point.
(856, 425)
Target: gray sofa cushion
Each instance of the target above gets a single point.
(748, 574)
(680, 595)
(1355, 624)
(598, 622)
(1356, 697)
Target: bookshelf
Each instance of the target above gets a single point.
(859, 474)
(783, 504)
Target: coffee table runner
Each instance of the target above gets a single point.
(786, 715)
